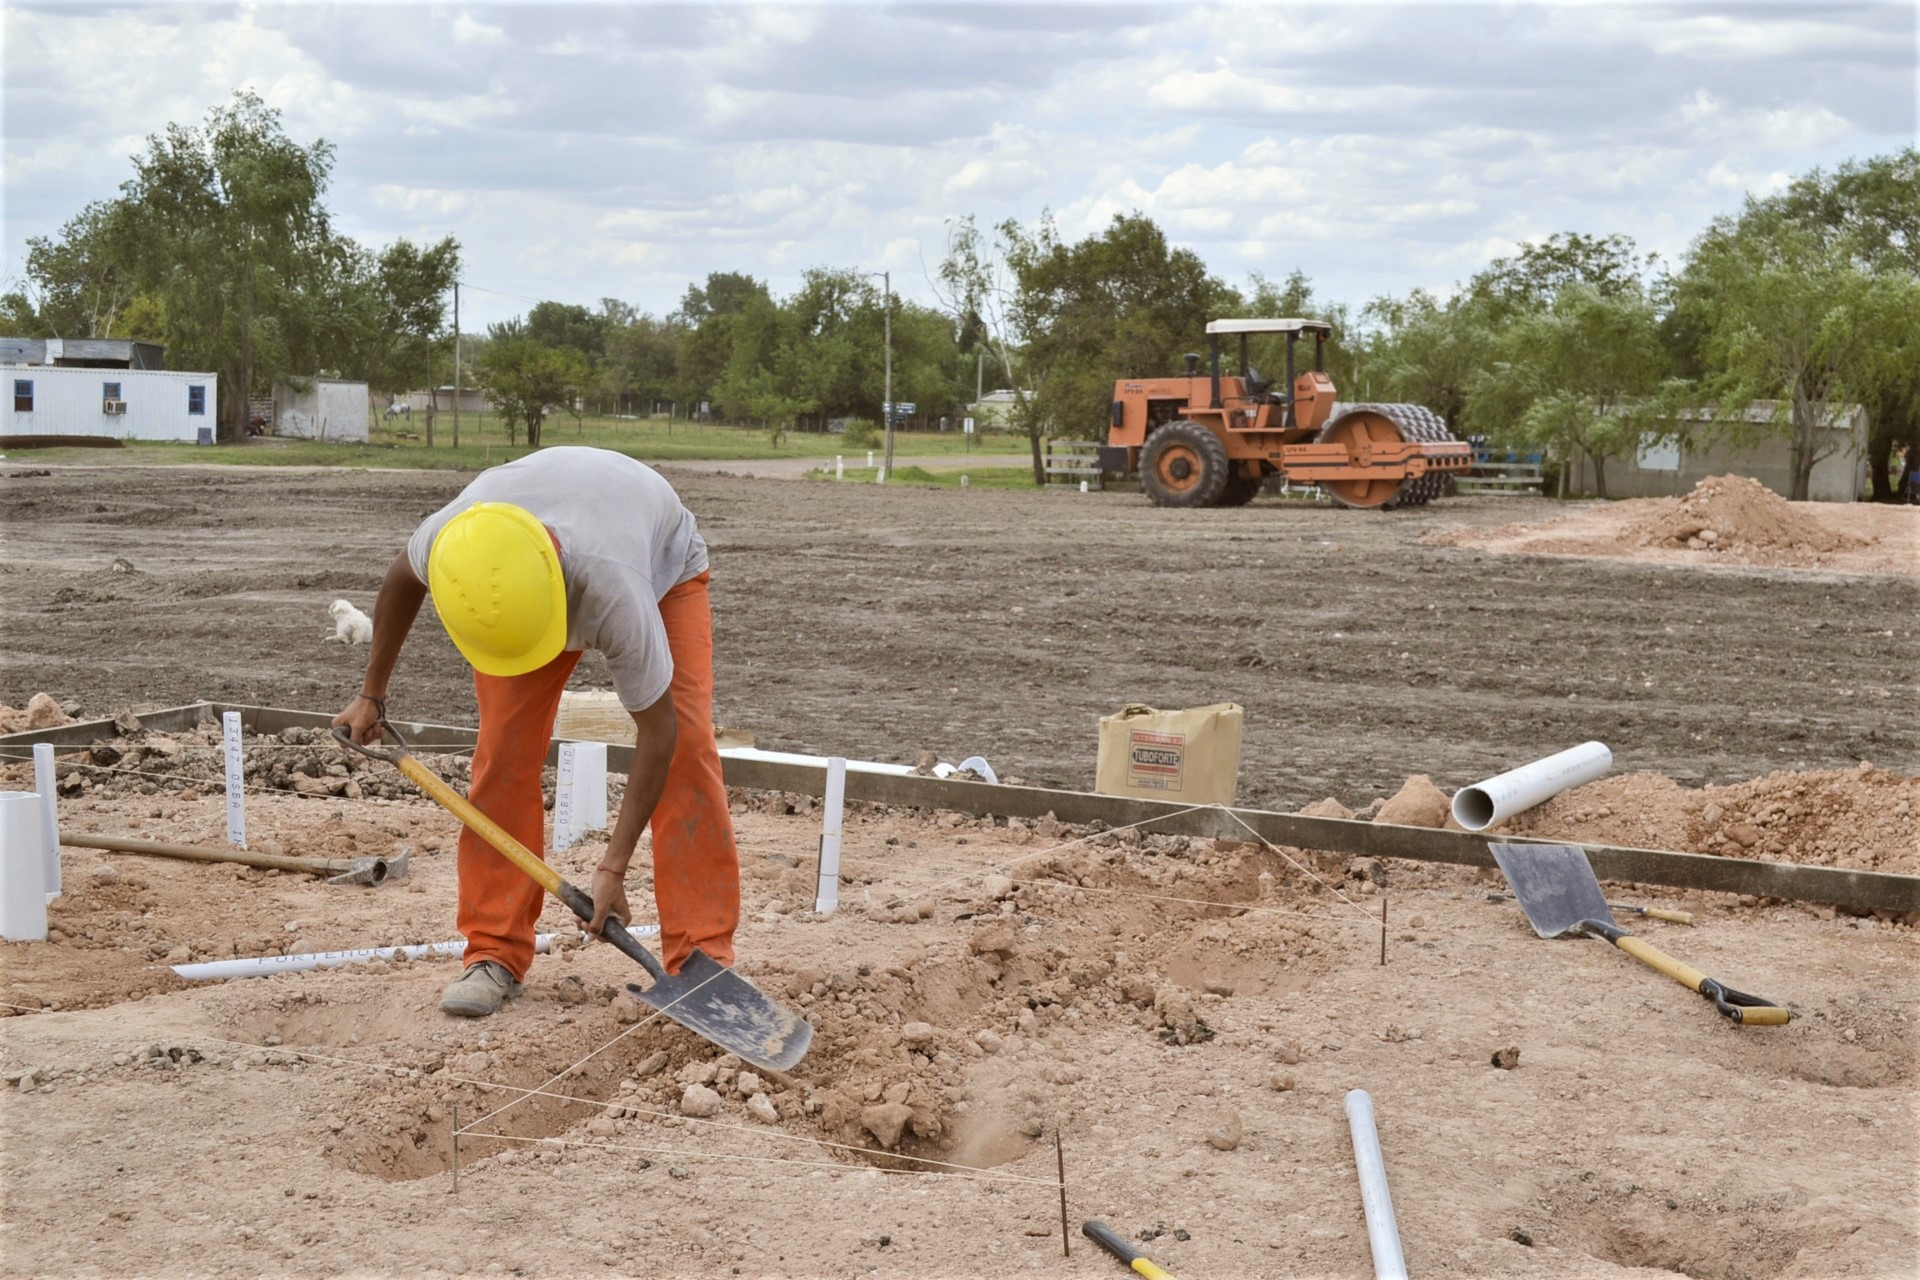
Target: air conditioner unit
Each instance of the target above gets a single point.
(114, 407)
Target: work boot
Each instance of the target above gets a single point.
(480, 991)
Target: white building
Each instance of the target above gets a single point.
(330, 409)
(127, 404)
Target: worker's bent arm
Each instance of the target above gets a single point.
(393, 614)
(656, 733)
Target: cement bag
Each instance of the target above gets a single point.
(1191, 756)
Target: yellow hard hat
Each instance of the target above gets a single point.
(495, 578)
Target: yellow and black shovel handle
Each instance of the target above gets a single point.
(572, 897)
(1109, 1239)
(1745, 1010)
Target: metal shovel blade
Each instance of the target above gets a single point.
(714, 1002)
(1555, 886)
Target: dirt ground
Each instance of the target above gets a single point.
(1187, 1015)
(879, 622)
(983, 986)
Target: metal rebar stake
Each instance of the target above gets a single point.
(456, 1148)
(1060, 1164)
(1383, 931)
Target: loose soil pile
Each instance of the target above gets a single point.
(1187, 1013)
(1726, 520)
(1737, 516)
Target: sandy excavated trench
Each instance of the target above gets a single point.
(1090, 987)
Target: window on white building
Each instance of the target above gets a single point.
(196, 399)
(23, 395)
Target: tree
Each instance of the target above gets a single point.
(1582, 375)
(82, 279)
(1789, 315)
(1422, 351)
(238, 250)
(979, 288)
(392, 327)
(1870, 211)
(526, 379)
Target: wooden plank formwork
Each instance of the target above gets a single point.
(1836, 886)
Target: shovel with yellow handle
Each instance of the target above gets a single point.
(705, 997)
(1561, 896)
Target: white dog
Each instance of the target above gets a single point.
(350, 626)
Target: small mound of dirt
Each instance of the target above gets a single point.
(1734, 513)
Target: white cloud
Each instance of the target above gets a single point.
(583, 151)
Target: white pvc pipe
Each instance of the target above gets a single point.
(265, 966)
(23, 879)
(1383, 1234)
(1498, 798)
(818, 762)
(826, 894)
(43, 785)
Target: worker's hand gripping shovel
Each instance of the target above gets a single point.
(1561, 896)
(705, 997)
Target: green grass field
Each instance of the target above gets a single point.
(483, 442)
(981, 477)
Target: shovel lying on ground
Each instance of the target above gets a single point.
(369, 870)
(1652, 913)
(705, 997)
(1561, 896)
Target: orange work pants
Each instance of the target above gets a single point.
(696, 870)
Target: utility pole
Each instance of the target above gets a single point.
(979, 380)
(886, 280)
(456, 366)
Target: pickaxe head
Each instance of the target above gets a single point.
(373, 870)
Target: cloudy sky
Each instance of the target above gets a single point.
(582, 151)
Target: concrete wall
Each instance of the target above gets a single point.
(329, 409)
(1664, 472)
(68, 402)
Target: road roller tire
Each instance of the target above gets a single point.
(1240, 490)
(1383, 423)
(1184, 465)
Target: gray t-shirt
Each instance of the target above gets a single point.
(625, 541)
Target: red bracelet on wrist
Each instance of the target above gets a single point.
(610, 870)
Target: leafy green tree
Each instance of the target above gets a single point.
(1582, 376)
(527, 380)
(240, 252)
(1421, 351)
(979, 288)
(1789, 314)
(391, 327)
(709, 312)
(1870, 211)
(83, 280)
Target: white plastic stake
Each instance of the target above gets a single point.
(23, 894)
(827, 895)
(839, 466)
(963, 479)
(43, 785)
(880, 476)
(1083, 486)
(236, 782)
(565, 828)
(590, 786)
(869, 457)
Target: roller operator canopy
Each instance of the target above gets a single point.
(1314, 327)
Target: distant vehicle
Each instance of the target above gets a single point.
(1209, 439)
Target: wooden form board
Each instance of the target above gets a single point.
(1857, 890)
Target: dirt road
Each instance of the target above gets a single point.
(883, 621)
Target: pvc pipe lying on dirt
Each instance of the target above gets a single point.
(818, 762)
(264, 966)
(23, 882)
(1383, 1234)
(1498, 798)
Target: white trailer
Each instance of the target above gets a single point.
(126, 404)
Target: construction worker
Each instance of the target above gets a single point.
(564, 550)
